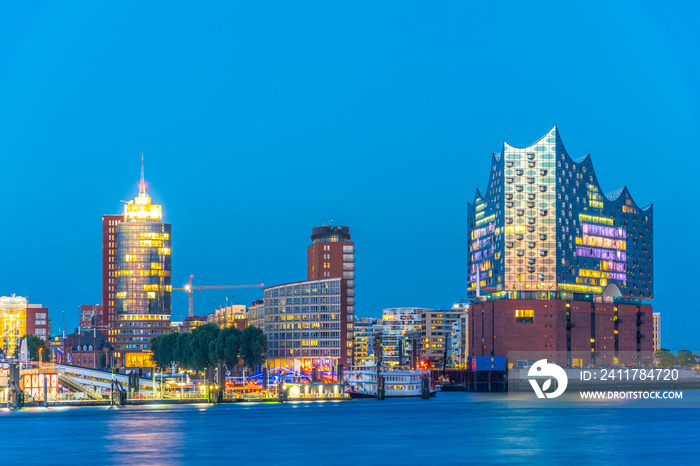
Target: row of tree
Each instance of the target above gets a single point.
(684, 358)
(207, 346)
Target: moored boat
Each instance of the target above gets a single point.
(361, 382)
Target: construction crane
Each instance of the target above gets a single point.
(190, 289)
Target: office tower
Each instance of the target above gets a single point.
(331, 254)
(143, 280)
(308, 324)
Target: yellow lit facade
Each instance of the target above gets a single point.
(13, 323)
(230, 316)
(143, 277)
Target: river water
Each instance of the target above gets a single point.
(453, 428)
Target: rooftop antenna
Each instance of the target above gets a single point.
(142, 184)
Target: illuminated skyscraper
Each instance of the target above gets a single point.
(554, 263)
(143, 280)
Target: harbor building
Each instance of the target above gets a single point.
(19, 319)
(108, 316)
(306, 324)
(143, 277)
(555, 266)
(401, 335)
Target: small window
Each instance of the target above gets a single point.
(531, 196)
(543, 212)
(530, 229)
(519, 236)
(531, 156)
(509, 204)
(543, 188)
(531, 220)
(530, 180)
(531, 244)
(531, 270)
(543, 252)
(519, 188)
(530, 205)
(509, 180)
(524, 316)
(509, 196)
(543, 171)
(531, 261)
(531, 164)
(520, 252)
(509, 220)
(519, 212)
(543, 236)
(509, 244)
(509, 164)
(519, 171)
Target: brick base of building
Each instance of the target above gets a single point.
(570, 333)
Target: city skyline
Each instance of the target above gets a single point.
(234, 154)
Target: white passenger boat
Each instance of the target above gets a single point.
(361, 382)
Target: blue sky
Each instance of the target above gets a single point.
(261, 121)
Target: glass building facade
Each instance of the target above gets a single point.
(143, 280)
(401, 327)
(143, 268)
(543, 229)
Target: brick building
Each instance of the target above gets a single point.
(110, 223)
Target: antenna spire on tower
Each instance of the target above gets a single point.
(142, 184)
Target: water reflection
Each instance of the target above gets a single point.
(143, 434)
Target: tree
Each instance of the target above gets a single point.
(226, 347)
(163, 348)
(665, 358)
(253, 346)
(198, 347)
(34, 344)
(686, 358)
(103, 360)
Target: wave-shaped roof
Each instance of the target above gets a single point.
(615, 195)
